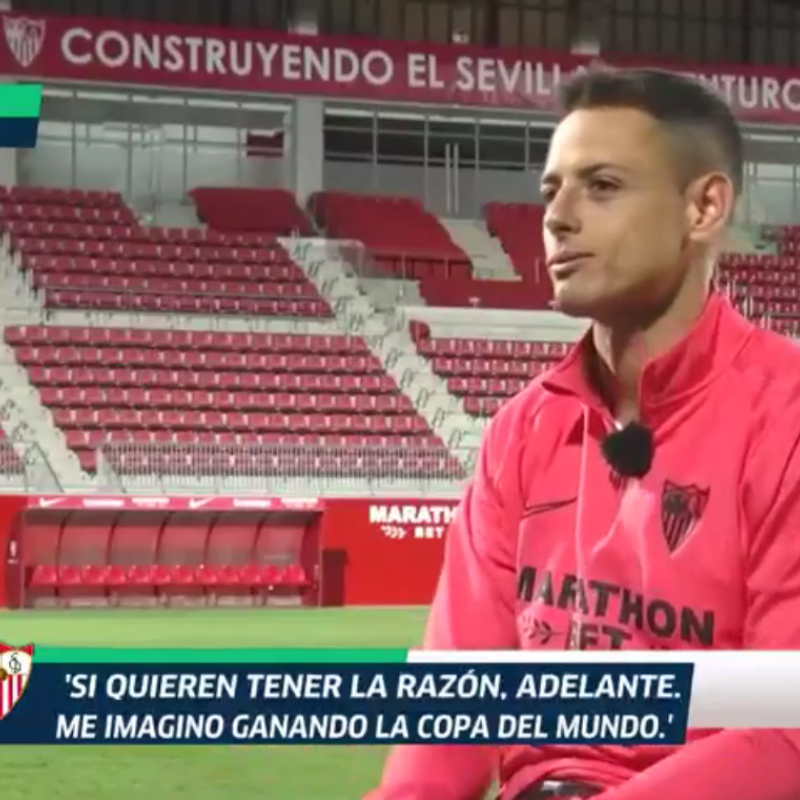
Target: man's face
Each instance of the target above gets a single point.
(615, 220)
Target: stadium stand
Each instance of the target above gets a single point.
(403, 240)
(140, 385)
(85, 250)
(157, 397)
(486, 372)
(197, 403)
(514, 224)
(243, 210)
(770, 281)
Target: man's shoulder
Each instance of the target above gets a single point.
(767, 401)
(769, 367)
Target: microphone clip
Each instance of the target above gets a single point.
(629, 451)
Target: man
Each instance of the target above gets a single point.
(552, 546)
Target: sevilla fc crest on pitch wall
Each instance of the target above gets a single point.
(15, 672)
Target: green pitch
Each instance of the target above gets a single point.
(200, 773)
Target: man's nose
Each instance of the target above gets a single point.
(561, 217)
(558, 226)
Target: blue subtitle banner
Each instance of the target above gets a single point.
(339, 703)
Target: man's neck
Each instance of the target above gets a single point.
(623, 352)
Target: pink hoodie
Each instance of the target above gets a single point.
(550, 551)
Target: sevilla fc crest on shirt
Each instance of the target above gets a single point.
(681, 509)
(15, 672)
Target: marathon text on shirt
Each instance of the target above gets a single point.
(608, 616)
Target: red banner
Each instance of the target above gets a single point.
(136, 53)
(390, 551)
(64, 502)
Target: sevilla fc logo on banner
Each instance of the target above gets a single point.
(15, 672)
(24, 38)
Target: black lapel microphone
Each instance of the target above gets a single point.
(629, 451)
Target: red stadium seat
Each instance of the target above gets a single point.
(229, 576)
(116, 577)
(206, 576)
(295, 575)
(162, 577)
(272, 576)
(184, 577)
(96, 576)
(109, 385)
(69, 576)
(252, 575)
(141, 576)
(45, 575)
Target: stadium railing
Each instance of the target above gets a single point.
(285, 469)
(357, 261)
(24, 466)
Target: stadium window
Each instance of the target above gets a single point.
(478, 19)
(533, 28)
(720, 10)
(240, 13)
(414, 22)
(555, 29)
(337, 16)
(207, 13)
(622, 33)
(715, 41)
(74, 7)
(692, 37)
(669, 37)
(626, 7)
(794, 51)
(438, 22)
(538, 141)
(778, 35)
(118, 9)
(274, 14)
(510, 27)
(348, 138)
(501, 146)
(444, 132)
(782, 46)
(365, 17)
(390, 18)
(401, 140)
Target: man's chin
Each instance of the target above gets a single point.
(572, 306)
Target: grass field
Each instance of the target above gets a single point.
(200, 773)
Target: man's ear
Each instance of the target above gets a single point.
(710, 203)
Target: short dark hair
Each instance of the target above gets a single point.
(702, 125)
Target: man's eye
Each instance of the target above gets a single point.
(548, 194)
(601, 185)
